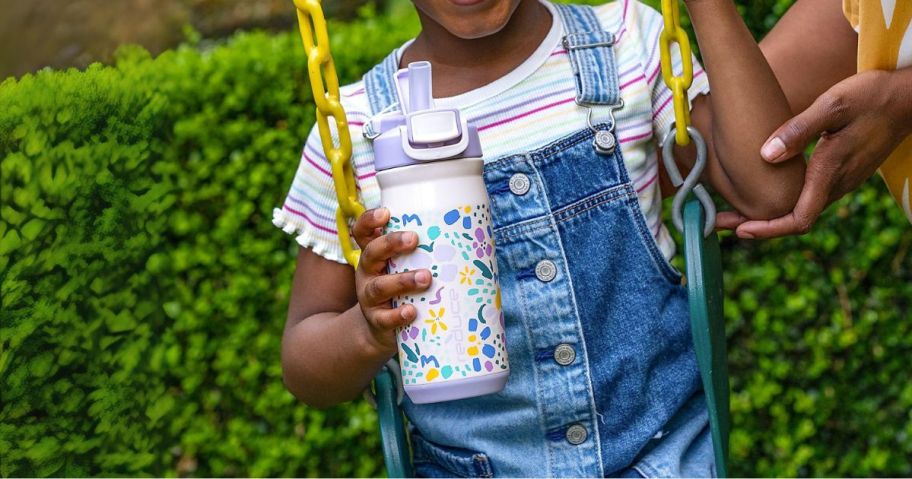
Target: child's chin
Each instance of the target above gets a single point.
(470, 19)
(466, 3)
(478, 26)
(474, 32)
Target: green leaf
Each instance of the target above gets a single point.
(160, 407)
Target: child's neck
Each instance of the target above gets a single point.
(462, 65)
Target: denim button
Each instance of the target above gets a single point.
(545, 270)
(604, 142)
(519, 184)
(577, 434)
(564, 354)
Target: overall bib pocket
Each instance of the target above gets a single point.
(649, 242)
(432, 460)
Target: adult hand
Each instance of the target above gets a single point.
(860, 121)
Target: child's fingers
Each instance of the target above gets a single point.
(381, 289)
(369, 226)
(390, 319)
(375, 254)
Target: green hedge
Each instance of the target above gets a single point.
(144, 287)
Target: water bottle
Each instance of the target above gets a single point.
(429, 167)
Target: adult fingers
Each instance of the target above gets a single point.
(390, 319)
(818, 184)
(369, 226)
(827, 113)
(824, 171)
(375, 254)
(380, 289)
(757, 229)
(729, 220)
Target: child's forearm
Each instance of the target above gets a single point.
(746, 105)
(329, 358)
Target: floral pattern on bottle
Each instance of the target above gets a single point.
(459, 331)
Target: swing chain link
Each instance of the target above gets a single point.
(673, 33)
(325, 85)
(681, 130)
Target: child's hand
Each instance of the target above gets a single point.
(375, 288)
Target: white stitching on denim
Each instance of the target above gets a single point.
(590, 203)
(535, 378)
(665, 267)
(579, 330)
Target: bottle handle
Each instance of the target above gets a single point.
(413, 87)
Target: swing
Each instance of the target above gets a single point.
(693, 214)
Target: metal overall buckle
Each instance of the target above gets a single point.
(605, 141)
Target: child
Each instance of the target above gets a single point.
(582, 252)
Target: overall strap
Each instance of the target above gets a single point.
(591, 54)
(589, 47)
(379, 83)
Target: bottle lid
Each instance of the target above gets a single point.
(419, 132)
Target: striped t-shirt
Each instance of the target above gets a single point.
(526, 109)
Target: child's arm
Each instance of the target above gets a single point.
(341, 327)
(745, 106)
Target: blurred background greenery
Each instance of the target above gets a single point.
(77, 33)
(144, 287)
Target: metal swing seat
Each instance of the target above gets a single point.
(692, 209)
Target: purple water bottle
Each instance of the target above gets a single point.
(429, 167)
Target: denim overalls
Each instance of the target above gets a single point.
(603, 379)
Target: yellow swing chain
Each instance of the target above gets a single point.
(325, 85)
(671, 34)
(684, 134)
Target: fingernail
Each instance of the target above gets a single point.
(773, 149)
(379, 213)
(423, 278)
(406, 313)
(745, 235)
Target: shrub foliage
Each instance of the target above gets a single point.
(144, 288)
